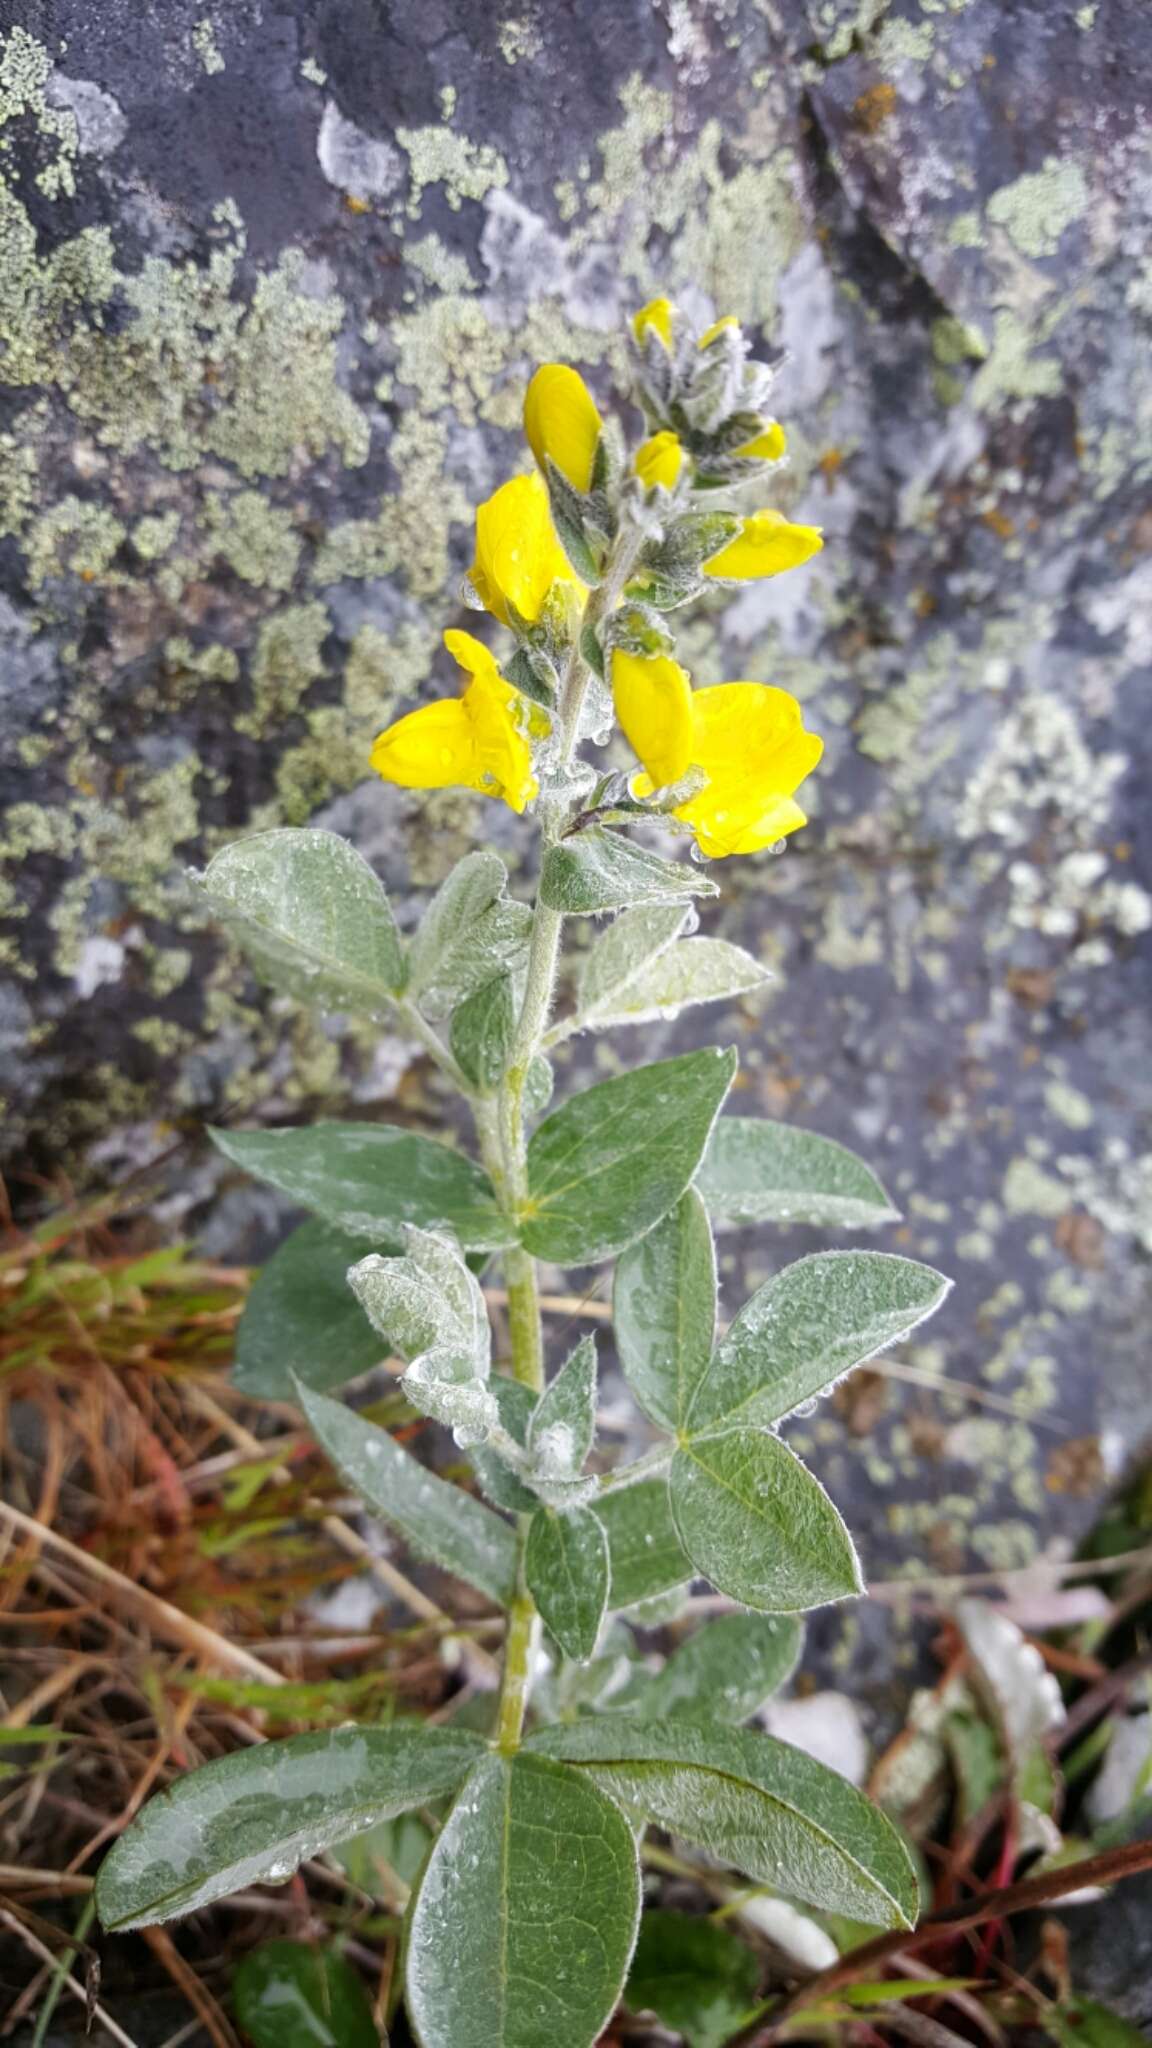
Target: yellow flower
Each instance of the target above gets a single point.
(561, 421)
(653, 699)
(768, 445)
(747, 738)
(658, 315)
(766, 544)
(659, 460)
(474, 741)
(518, 557)
(716, 328)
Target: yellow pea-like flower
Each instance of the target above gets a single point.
(659, 460)
(769, 445)
(474, 741)
(748, 739)
(716, 328)
(658, 315)
(561, 421)
(766, 544)
(653, 699)
(518, 557)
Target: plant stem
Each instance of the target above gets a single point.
(502, 1140)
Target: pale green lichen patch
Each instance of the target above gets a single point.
(1036, 209)
(287, 661)
(205, 45)
(76, 538)
(25, 68)
(256, 538)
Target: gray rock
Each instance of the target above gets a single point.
(246, 416)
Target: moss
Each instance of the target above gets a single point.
(1036, 209)
(256, 539)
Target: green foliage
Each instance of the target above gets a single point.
(439, 1521)
(611, 1162)
(760, 1172)
(470, 932)
(695, 1975)
(599, 871)
(525, 1897)
(646, 1554)
(256, 1815)
(566, 1571)
(290, 1996)
(770, 1809)
(372, 1179)
(754, 1521)
(302, 1320)
(312, 918)
(537, 1856)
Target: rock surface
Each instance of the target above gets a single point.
(271, 278)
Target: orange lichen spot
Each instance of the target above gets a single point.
(830, 463)
(355, 205)
(874, 108)
(1000, 523)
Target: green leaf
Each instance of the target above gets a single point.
(760, 1172)
(690, 971)
(392, 1849)
(430, 1309)
(627, 946)
(436, 1520)
(595, 871)
(566, 1568)
(755, 1522)
(563, 1426)
(694, 1974)
(664, 1311)
(523, 1925)
(481, 1032)
(539, 1082)
(896, 1989)
(770, 1810)
(470, 932)
(312, 918)
(514, 1405)
(611, 1162)
(290, 1996)
(253, 1817)
(646, 1554)
(371, 1179)
(1085, 2024)
(301, 1317)
(727, 1670)
(806, 1328)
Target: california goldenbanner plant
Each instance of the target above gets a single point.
(521, 1923)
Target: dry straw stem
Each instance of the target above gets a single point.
(1025, 1897)
(166, 1620)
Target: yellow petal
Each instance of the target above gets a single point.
(561, 421)
(750, 741)
(716, 328)
(470, 653)
(432, 748)
(653, 698)
(658, 315)
(769, 446)
(518, 557)
(766, 544)
(502, 756)
(659, 460)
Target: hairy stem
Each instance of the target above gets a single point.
(502, 1138)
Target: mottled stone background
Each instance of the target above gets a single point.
(271, 277)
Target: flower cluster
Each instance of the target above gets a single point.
(584, 555)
